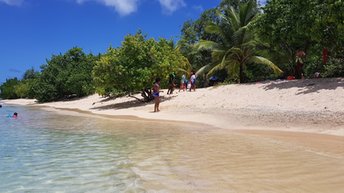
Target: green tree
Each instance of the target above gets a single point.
(134, 66)
(309, 25)
(194, 31)
(30, 74)
(22, 89)
(237, 46)
(66, 75)
(7, 89)
(25, 88)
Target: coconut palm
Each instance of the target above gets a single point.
(236, 47)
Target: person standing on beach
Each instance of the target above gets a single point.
(193, 81)
(156, 94)
(183, 83)
(299, 64)
(171, 84)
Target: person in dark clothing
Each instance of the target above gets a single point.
(171, 83)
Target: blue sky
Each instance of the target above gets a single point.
(32, 30)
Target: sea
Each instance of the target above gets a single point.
(43, 150)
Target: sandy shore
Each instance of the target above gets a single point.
(313, 106)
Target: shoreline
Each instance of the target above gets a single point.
(266, 106)
(324, 144)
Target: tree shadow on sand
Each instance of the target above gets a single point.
(308, 85)
(130, 104)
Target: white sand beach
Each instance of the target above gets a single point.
(280, 136)
(312, 106)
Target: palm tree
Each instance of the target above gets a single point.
(236, 47)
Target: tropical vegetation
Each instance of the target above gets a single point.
(237, 41)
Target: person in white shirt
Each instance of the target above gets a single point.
(193, 81)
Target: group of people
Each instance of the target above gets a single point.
(188, 84)
(184, 85)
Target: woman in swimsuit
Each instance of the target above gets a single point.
(156, 91)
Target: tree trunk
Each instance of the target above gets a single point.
(241, 74)
(147, 94)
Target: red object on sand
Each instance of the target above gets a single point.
(291, 78)
(324, 55)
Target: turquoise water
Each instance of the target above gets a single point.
(42, 151)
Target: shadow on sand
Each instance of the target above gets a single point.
(130, 104)
(308, 85)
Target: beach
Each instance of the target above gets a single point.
(277, 136)
(311, 106)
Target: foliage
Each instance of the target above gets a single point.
(335, 68)
(237, 48)
(65, 75)
(135, 65)
(313, 65)
(7, 90)
(309, 25)
(192, 32)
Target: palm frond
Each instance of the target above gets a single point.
(249, 44)
(203, 69)
(216, 68)
(213, 29)
(247, 12)
(222, 17)
(223, 63)
(234, 19)
(217, 55)
(205, 44)
(233, 69)
(264, 61)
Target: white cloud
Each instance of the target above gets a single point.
(171, 6)
(123, 7)
(12, 2)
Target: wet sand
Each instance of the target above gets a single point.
(217, 161)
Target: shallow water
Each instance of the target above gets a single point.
(42, 151)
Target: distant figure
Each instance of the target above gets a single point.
(193, 81)
(0, 106)
(299, 64)
(213, 80)
(183, 83)
(171, 84)
(156, 94)
(15, 115)
(317, 75)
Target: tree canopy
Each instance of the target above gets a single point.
(135, 64)
(65, 75)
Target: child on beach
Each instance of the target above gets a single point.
(156, 94)
(183, 83)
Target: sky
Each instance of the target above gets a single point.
(31, 31)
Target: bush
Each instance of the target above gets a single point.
(258, 72)
(335, 68)
(314, 65)
(7, 89)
